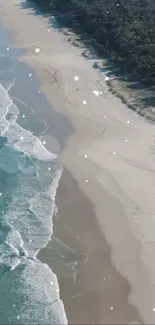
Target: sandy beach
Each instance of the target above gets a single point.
(106, 195)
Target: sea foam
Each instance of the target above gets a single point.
(29, 177)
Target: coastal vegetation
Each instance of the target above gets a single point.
(122, 29)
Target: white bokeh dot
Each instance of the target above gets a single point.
(23, 116)
(30, 74)
(106, 78)
(105, 116)
(86, 180)
(153, 309)
(22, 138)
(37, 49)
(18, 317)
(8, 48)
(96, 92)
(38, 91)
(128, 122)
(126, 140)
(49, 168)
(111, 308)
(84, 102)
(76, 78)
(44, 142)
(85, 156)
(114, 153)
(0, 194)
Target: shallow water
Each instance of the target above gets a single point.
(29, 173)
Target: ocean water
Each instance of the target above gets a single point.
(29, 176)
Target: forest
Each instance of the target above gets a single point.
(122, 29)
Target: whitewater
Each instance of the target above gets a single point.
(29, 176)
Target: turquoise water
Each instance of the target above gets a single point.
(29, 173)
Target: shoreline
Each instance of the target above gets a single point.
(107, 188)
(97, 294)
(135, 94)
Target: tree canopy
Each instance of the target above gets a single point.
(123, 28)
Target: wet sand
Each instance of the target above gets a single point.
(97, 288)
(107, 198)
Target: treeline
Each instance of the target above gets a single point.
(122, 28)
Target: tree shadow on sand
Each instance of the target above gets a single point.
(36, 9)
(112, 67)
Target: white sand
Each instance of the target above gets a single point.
(121, 185)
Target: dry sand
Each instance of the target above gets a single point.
(120, 175)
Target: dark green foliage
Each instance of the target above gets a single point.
(122, 28)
